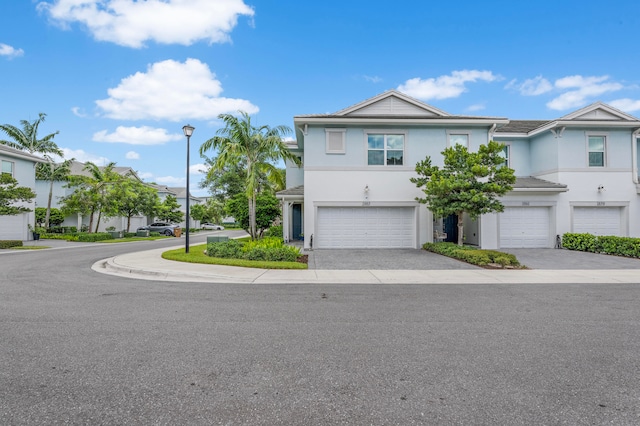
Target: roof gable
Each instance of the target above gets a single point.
(392, 103)
(598, 111)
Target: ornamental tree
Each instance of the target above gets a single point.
(469, 182)
(11, 193)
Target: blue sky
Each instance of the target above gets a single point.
(119, 78)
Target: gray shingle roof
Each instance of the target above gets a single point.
(530, 182)
(521, 126)
(296, 190)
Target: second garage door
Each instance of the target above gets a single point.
(365, 227)
(524, 227)
(597, 220)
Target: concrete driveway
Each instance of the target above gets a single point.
(410, 259)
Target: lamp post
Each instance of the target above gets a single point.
(188, 131)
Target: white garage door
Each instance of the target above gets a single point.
(524, 227)
(597, 220)
(13, 227)
(365, 227)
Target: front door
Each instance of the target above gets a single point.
(451, 228)
(296, 221)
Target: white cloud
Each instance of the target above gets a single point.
(132, 155)
(10, 51)
(83, 157)
(171, 180)
(372, 79)
(476, 107)
(79, 112)
(133, 22)
(173, 91)
(532, 86)
(197, 169)
(445, 86)
(145, 175)
(144, 135)
(626, 104)
(580, 89)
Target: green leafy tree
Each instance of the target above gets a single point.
(469, 182)
(224, 183)
(11, 193)
(198, 212)
(258, 147)
(56, 217)
(93, 193)
(26, 139)
(267, 211)
(170, 210)
(130, 197)
(52, 172)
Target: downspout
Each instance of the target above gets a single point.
(634, 155)
(492, 131)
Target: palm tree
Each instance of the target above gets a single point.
(52, 172)
(257, 147)
(26, 139)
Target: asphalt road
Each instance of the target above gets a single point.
(78, 347)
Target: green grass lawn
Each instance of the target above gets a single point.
(196, 255)
(30, 248)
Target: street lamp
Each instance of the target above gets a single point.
(188, 131)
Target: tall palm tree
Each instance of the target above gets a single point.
(26, 139)
(258, 147)
(52, 172)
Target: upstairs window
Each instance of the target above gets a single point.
(506, 154)
(458, 138)
(596, 150)
(335, 141)
(385, 149)
(7, 167)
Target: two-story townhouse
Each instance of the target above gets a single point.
(21, 166)
(60, 190)
(180, 192)
(353, 190)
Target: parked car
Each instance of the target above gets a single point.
(212, 226)
(161, 227)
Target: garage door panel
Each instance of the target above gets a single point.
(365, 227)
(597, 220)
(524, 227)
(13, 227)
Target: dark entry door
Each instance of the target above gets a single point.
(296, 222)
(451, 228)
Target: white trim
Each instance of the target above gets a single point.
(386, 121)
(508, 146)
(385, 132)
(388, 94)
(465, 132)
(635, 141)
(624, 212)
(605, 157)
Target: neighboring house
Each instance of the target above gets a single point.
(181, 195)
(60, 191)
(22, 166)
(578, 173)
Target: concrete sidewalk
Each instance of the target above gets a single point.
(149, 265)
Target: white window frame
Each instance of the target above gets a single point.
(466, 133)
(13, 167)
(328, 133)
(605, 136)
(385, 132)
(508, 157)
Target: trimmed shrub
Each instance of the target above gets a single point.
(472, 255)
(98, 236)
(130, 234)
(154, 234)
(609, 244)
(270, 249)
(274, 231)
(5, 244)
(230, 249)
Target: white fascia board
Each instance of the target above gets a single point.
(395, 121)
(585, 123)
(511, 135)
(540, 190)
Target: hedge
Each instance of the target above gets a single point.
(609, 244)
(269, 249)
(5, 244)
(473, 255)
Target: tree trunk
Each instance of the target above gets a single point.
(252, 216)
(128, 222)
(98, 221)
(460, 228)
(91, 221)
(48, 215)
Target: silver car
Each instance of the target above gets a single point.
(212, 226)
(165, 228)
